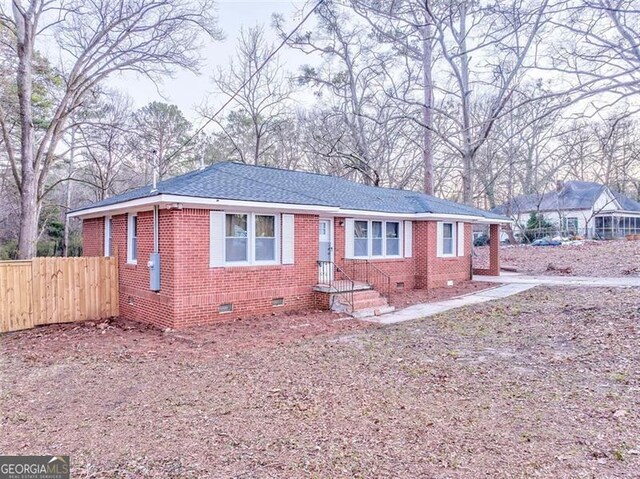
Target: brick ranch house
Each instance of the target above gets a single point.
(249, 240)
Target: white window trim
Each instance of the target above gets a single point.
(370, 254)
(251, 237)
(130, 217)
(108, 240)
(454, 240)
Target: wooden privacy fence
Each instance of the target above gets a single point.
(57, 290)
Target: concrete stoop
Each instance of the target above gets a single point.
(366, 303)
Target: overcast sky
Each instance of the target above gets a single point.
(190, 91)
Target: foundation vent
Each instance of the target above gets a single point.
(225, 308)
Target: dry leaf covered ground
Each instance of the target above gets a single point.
(591, 258)
(542, 384)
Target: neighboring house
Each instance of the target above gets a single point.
(580, 208)
(249, 240)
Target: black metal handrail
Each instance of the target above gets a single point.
(337, 280)
(367, 272)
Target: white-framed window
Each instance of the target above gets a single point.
(392, 231)
(448, 239)
(376, 239)
(132, 238)
(361, 238)
(108, 236)
(265, 233)
(236, 238)
(250, 238)
(451, 238)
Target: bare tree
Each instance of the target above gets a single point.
(103, 142)
(251, 130)
(96, 39)
(407, 26)
(501, 36)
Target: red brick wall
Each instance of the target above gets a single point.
(400, 270)
(200, 290)
(93, 237)
(137, 302)
(191, 292)
(424, 269)
(434, 271)
(493, 268)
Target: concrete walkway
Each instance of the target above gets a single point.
(516, 278)
(512, 283)
(429, 309)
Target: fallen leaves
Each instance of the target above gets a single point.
(613, 258)
(542, 384)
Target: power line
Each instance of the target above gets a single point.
(235, 94)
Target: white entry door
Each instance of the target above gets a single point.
(325, 267)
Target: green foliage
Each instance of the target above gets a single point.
(9, 250)
(537, 226)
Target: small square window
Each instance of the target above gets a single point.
(225, 308)
(277, 302)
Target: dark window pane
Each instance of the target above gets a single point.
(376, 229)
(393, 230)
(236, 226)
(360, 229)
(265, 227)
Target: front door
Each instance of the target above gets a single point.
(325, 267)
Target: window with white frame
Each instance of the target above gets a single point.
(265, 229)
(250, 238)
(132, 239)
(108, 238)
(376, 239)
(392, 229)
(236, 238)
(361, 238)
(448, 239)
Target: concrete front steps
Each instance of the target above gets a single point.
(366, 303)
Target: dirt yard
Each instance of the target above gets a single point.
(592, 258)
(415, 296)
(545, 384)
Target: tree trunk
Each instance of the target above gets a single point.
(29, 207)
(67, 196)
(427, 112)
(467, 157)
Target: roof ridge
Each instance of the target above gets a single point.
(271, 184)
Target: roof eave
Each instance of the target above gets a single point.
(178, 202)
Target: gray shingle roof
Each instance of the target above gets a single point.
(574, 195)
(238, 181)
